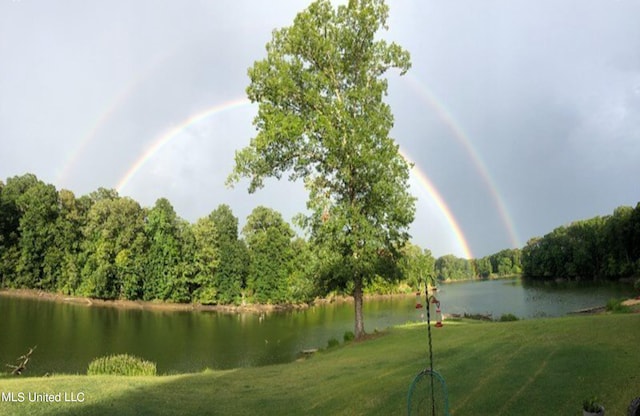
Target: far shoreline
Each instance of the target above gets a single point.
(177, 307)
(145, 305)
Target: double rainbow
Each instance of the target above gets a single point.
(162, 140)
(426, 95)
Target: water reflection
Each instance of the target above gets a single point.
(69, 336)
(526, 300)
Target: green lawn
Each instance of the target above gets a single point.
(533, 367)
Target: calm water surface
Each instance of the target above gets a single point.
(526, 301)
(69, 336)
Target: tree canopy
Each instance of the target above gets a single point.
(268, 239)
(599, 248)
(105, 246)
(321, 118)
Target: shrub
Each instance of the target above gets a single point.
(477, 316)
(349, 336)
(508, 317)
(333, 342)
(591, 405)
(616, 306)
(121, 365)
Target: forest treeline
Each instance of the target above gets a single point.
(504, 263)
(597, 249)
(106, 246)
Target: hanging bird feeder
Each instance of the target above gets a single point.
(433, 300)
(428, 392)
(438, 316)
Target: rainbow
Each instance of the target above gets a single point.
(420, 176)
(119, 99)
(165, 138)
(88, 138)
(430, 188)
(443, 114)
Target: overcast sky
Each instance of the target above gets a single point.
(523, 115)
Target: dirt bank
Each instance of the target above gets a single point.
(144, 305)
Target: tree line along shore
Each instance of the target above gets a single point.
(103, 246)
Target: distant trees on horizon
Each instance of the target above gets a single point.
(596, 249)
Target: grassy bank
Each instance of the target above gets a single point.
(534, 367)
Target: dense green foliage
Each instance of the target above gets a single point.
(114, 235)
(616, 306)
(268, 239)
(121, 365)
(600, 248)
(504, 263)
(164, 275)
(322, 118)
(230, 276)
(348, 336)
(333, 343)
(450, 267)
(109, 247)
(418, 266)
(105, 246)
(508, 317)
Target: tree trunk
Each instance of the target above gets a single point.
(357, 297)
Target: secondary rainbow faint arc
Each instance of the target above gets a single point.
(165, 138)
(445, 116)
(118, 101)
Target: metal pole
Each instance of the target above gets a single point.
(433, 401)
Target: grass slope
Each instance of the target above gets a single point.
(533, 367)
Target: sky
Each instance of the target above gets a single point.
(519, 116)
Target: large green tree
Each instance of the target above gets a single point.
(113, 245)
(322, 118)
(64, 258)
(204, 260)
(39, 208)
(164, 277)
(268, 238)
(302, 266)
(12, 208)
(450, 267)
(231, 272)
(418, 266)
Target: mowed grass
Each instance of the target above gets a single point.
(532, 367)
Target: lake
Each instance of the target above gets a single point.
(69, 336)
